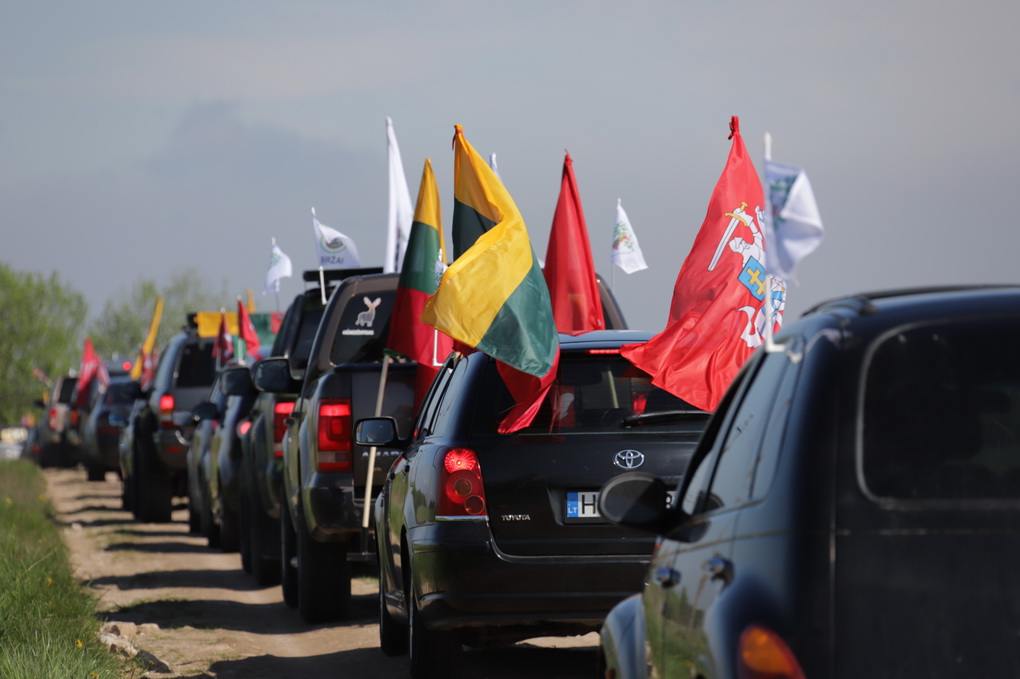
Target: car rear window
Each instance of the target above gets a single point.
(364, 326)
(120, 393)
(67, 389)
(197, 367)
(941, 413)
(595, 392)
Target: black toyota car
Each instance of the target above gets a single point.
(494, 538)
(852, 509)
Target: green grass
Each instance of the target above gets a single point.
(48, 626)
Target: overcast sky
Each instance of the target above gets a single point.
(138, 139)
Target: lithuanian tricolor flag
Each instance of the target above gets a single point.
(494, 297)
(424, 259)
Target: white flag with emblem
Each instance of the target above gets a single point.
(279, 267)
(336, 251)
(626, 251)
(794, 227)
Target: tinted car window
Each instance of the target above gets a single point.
(309, 325)
(731, 483)
(197, 367)
(941, 413)
(120, 393)
(67, 389)
(364, 327)
(449, 398)
(594, 393)
(432, 399)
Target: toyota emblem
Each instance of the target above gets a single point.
(629, 459)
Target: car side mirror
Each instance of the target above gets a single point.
(236, 381)
(376, 431)
(206, 410)
(273, 375)
(637, 500)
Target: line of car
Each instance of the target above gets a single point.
(849, 509)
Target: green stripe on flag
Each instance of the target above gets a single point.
(468, 225)
(419, 270)
(523, 333)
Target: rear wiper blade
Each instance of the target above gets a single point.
(663, 416)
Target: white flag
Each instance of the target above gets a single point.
(626, 251)
(279, 267)
(336, 251)
(794, 226)
(401, 213)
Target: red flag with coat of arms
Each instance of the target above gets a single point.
(717, 315)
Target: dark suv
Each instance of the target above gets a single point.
(852, 510)
(493, 538)
(154, 445)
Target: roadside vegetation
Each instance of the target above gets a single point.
(45, 322)
(48, 626)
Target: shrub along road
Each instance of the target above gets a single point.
(214, 621)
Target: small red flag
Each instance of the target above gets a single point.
(246, 329)
(223, 347)
(569, 269)
(717, 316)
(91, 368)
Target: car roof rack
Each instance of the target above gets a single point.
(332, 276)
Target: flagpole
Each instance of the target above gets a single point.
(371, 451)
(770, 345)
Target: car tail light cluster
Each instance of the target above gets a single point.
(461, 490)
(243, 428)
(764, 655)
(53, 418)
(335, 436)
(166, 411)
(281, 411)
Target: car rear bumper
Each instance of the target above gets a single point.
(464, 580)
(333, 512)
(173, 449)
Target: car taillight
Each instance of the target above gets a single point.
(74, 418)
(764, 655)
(281, 411)
(53, 418)
(594, 352)
(461, 491)
(243, 428)
(166, 411)
(335, 436)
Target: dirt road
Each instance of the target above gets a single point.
(214, 621)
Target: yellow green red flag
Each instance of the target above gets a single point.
(494, 297)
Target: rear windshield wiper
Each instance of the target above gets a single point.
(663, 416)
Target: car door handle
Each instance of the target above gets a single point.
(719, 568)
(665, 576)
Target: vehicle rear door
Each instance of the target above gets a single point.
(928, 527)
(542, 483)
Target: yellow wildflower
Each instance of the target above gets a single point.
(77, 642)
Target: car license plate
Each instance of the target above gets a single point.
(585, 504)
